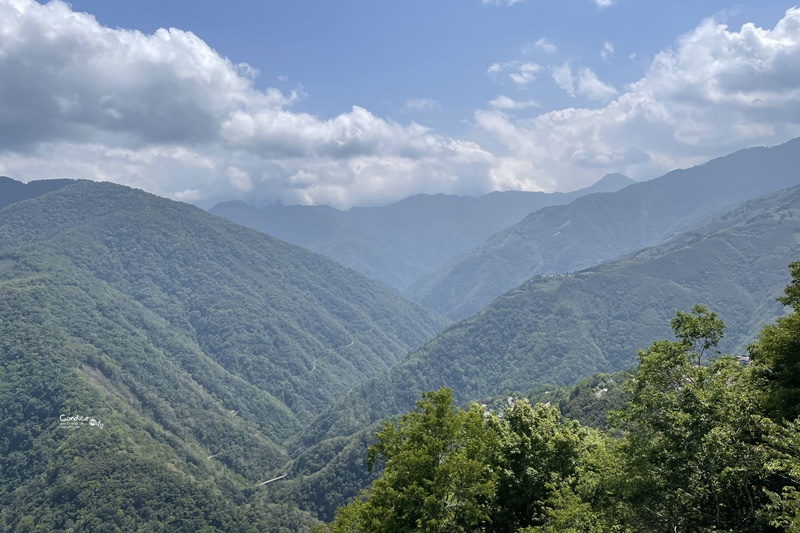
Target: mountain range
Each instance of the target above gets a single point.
(164, 369)
(555, 329)
(598, 227)
(399, 243)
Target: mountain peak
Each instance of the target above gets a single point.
(611, 183)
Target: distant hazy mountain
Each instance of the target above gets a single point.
(398, 243)
(602, 226)
(200, 345)
(557, 329)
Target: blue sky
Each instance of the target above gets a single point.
(363, 103)
(379, 55)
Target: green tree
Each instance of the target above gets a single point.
(776, 363)
(699, 331)
(467, 470)
(783, 508)
(436, 476)
(692, 454)
(538, 452)
(792, 291)
(776, 355)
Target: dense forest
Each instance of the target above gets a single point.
(201, 346)
(700, 442)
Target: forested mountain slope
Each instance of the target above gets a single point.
(202, 346)
(398, 243)
(557, 329)
(603, 226)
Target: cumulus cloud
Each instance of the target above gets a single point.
(167, 113)
(89, 101)
(65, 76)
(715, 91)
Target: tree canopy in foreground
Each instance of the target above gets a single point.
(703, 443)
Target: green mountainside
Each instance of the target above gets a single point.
(399, 243)
(213, 358)
(558, 329)
(200, 346)
(598, 227)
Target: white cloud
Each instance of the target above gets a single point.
(603, 3)
(79, 99)
(587, 84)
(64, 75)
(501, 2)
(166, 113)
(592, 88)
(520, 73)
(717, 90)
(496, 68)
(239, 179)
(505, 102)
(607, 51)
(525, 73)
(545, 45)
(422, 104)
(563, 77)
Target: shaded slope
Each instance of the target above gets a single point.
(15, 191)
(398, 243)
(603, 226)
(557, 329)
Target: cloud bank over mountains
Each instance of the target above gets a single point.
(167, 113)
